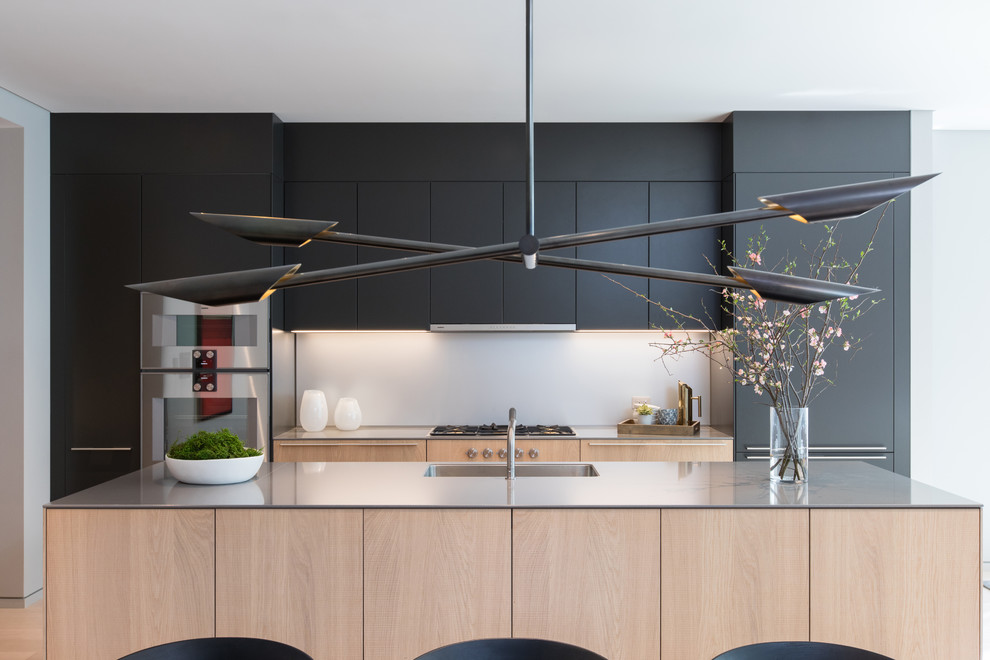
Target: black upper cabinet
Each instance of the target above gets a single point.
(546, 294)
(393, 210)
(601, 303)
(175, 244)
(865, 381)
(96, 240)
(322, 306)
(695, 251)
(466, 213)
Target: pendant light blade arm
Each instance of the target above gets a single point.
(267, 230)
(841, 202)
(232, 288)
(401, 265)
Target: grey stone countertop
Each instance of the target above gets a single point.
(422, 432)
(839, 484)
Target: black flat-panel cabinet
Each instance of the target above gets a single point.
(96, 248)
(322, 306)
(858, 412)
(697, 251)
(601, 302)
(175, 244)
(395, 210)
(544, 294)
(466, 213)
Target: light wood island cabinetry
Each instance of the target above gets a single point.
(292, 575)
(434, 577)
(120, 580)
(643, 561)
(732, 577)
(881, 579)
(589, 577)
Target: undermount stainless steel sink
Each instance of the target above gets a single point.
(522, 470)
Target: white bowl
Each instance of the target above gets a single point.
(215, 470)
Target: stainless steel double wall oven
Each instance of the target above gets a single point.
(203, 368)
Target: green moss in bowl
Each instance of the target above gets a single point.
(207, 445)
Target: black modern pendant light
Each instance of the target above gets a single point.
(819, 205)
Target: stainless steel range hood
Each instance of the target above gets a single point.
(502, 327)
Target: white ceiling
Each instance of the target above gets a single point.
(463, 60)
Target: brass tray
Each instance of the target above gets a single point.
(630, 427)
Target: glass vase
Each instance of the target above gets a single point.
(789, 445)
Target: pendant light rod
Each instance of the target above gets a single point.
(530, 149)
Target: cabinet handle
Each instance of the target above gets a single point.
(286, 445)
(866, 457)
(100, 448)
(656, 444)
(767, 448)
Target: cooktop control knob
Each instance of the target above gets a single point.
(487, 453)
(519, 453)
(502, 453)
(534, 452)
(472, 452)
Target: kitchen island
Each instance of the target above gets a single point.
(646, 560)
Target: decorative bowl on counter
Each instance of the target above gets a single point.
(215, 471)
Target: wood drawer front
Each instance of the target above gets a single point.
(667, 449)
(288, 451)
(550, 450)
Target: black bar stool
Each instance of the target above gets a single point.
(220, 648)
(799, 650)
(510, 649)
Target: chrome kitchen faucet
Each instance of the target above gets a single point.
(510, 458)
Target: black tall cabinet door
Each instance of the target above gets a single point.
(601, 303)
(175, 244)
(694, 251)
(466, 213)
(545, 294)
(330, 306)
(96, 248)
(393, 210)
(859, 410)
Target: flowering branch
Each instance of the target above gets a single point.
(777, 348)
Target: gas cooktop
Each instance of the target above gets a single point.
(501, 429)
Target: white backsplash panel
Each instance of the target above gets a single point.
(422, 378)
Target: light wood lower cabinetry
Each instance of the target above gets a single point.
(901, 582)
(533, 449)
(732, 577)
(656, 449)
(292, 575)
(433, 577)
(120, 580)
(589, 577)
(288, 451)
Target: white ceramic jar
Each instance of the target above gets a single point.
(347, 414)
(313, 411)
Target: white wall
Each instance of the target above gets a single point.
(421, 378)
(951, 449)
(25, 333)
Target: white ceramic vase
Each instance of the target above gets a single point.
(313, 411)
(347, 414)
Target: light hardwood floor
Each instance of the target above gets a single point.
(22, 633)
